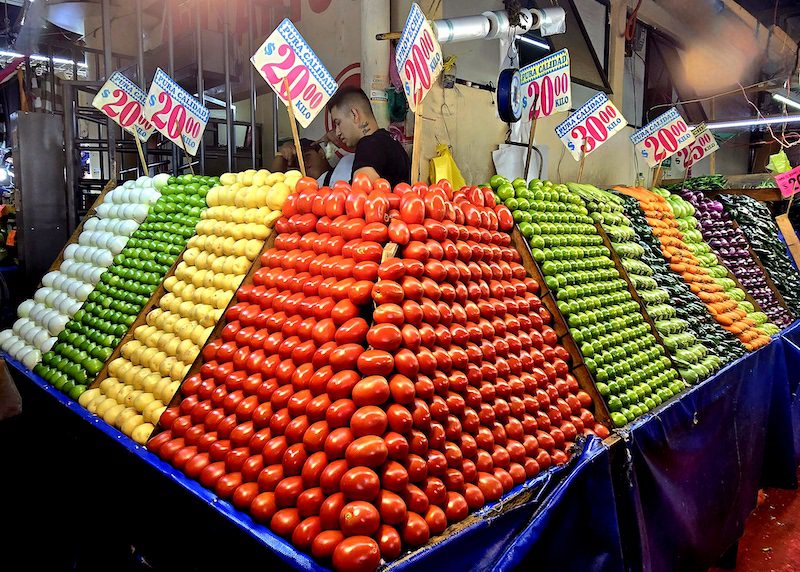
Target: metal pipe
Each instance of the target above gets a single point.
(141, 72)
(112, 136)
(275, 105)
(171, 72)
(228, 95)
(72, 52)
(70, 128)
(251, 17)
(51, 72)
(201, 92)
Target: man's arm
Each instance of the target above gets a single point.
(369, 172)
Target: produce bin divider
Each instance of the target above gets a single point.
(140, 319)
(634, 294)
(768, 278)
(73, 239)
(269, 242)
(578, 367)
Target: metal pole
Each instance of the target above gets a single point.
(228, 96)
(69, 147)
(140, 71)
(275, 106)
(51, 69)
(201, 90)
(171, 72)
(251, 17)
(107, 58)
(73, 53)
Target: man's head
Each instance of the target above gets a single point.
(352, 115)
(314, 158)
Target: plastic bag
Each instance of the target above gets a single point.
(779, 163)
(443, 166)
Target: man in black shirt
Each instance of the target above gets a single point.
(377, 155)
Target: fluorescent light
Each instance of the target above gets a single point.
(531, 41)
(754, 122)
(785, 100)
(41, 58)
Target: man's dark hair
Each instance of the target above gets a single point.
(350, 96)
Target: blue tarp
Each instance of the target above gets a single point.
(696, 465)
(562, 505)
(791, 345)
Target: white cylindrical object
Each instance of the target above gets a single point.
(375, 15)
(449, 30)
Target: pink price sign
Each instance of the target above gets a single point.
(124, 101)
(789, 182)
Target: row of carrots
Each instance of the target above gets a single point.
(725, 310)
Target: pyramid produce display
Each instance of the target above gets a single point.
(605, 321)
(728, 242)
(89, 339)
(151, 365)
(64, 290)
(761, 232)
(673, 222)
(359, 400)
(694, 360)
(717, 341)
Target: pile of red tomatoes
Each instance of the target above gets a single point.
(359, 400)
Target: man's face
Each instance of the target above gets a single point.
(345, 122)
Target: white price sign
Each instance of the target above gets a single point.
(175, 113)
(285, 55)
(418, 57)
(547, 84)
(704, 144)
(661, 138)
(592, 124)
(124, 102)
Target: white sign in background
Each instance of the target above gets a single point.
(661, 138)
(285, 55)
(124, 102)
(418, 57)
(547, 82)
(592, 124)
(175, 113)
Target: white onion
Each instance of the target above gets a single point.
(32, 358)
(19, 324)
(41, 294)
(91, 223)
(4, 335)
(56, 324)
(48, 345)
(69, 251)
(24, 309)
(117, 244)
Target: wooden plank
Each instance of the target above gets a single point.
(141, 318)
(220, 325)
(634, 294)
(763, 195)
(112, 184)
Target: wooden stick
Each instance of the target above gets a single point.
(530, 138)
(145, 170)
(189, 157)
(415, 150)
(295, 135)
(657, 174)
(583, 160)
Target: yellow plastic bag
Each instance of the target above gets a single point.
(443, 166)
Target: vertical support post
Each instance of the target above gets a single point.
(251, 17)
(73, 53)
(712, 161)
(231, 136)
(51, 72)
(617, 18)
(107, 64)
(201, 90)
(142, 80)
(171, 72)
(69, 148)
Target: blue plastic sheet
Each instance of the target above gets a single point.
(791, 345)
(568, 515)
(696, 465)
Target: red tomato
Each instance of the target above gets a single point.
(360, 483)
(397, 446)
(369, 420)
(389, 314)
(398, 232)
(310, 501)
(360, 292)
(331, 509)
(389, 542)
(412, 209)
(305, 532)
(263, 507)
(372, 390)
(369, 451)
(353, 330)
(325, 543)
(375, 362)
(387, 292)
(359, 517)
(340, 413)
(415, 530)
(332, 475)
(285, 521)
(346, 357)
(356, 554)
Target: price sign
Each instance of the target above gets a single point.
(175, 113)
(661, 138)
(124, 102)
(592, 124)
(418, 57)
(789, 182)
(286, 55)
(546, 82)
(703, 145)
